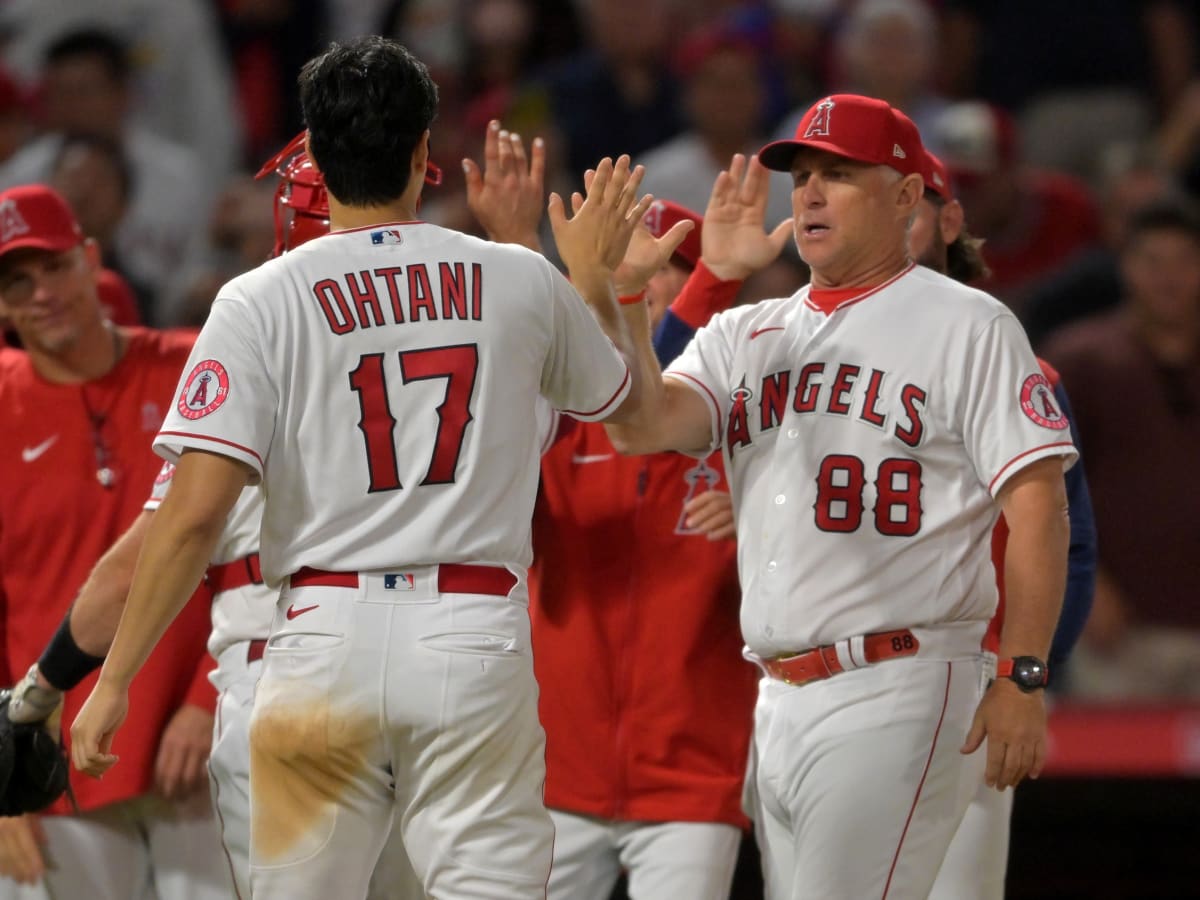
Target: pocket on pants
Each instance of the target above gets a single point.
(479, 643)
(307, 748)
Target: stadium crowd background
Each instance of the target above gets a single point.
(1073, 136)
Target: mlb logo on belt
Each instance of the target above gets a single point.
(387, 236)
(400, 581)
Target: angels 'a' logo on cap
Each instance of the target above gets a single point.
(205, 390)
(12, 223)
(819, 126)
(1037, 402)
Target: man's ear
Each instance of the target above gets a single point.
(950, 221)
(909, 192)
(420, 157)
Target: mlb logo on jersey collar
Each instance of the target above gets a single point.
(387, 236)
(398, 581)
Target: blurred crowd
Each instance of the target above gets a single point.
(1073, 138)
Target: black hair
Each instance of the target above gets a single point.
(1165, 214)
(366, 103)
(103, 45)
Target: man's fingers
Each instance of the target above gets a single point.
(600, 180)
(473, 177)
(1039, 760)
(576, 202)
(995, 764)
(975, 736)
(756, 184)
(737, 172)
(518, 153)
(491, 144)
(504, 157)
(669, 242)
(782, 233)
(555, 211)
(537, 164)
(635, 216)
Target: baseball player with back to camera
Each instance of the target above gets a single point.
(242, 605)
(381, 381)
(977, 861)
(874, 425)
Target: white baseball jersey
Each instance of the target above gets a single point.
(239, 615)
(864, 448)
(381, 381)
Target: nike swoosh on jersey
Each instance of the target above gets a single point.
(584, 459)
(29, 454)
(292, 612)
(757, 331)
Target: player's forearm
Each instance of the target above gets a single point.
(636, 432)
(175, 553)
(174, 556)
(1035, 568)
(97, 609)
(596, 288)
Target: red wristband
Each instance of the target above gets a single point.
(630, 299)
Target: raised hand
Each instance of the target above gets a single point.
(506, 197)
(735, 243)
(594, 240)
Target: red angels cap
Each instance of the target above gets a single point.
(937, 178)
(856, 127)
(662, 214)
(34, 215)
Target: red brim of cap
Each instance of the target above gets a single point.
(32, 242)
(779, 155)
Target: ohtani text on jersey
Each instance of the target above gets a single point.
(834, 389)
(394, 295)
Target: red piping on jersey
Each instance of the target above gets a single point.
(712, 398)
(833, 299)
(921, 784)
(215, 440)
(1020, 456)
(608, 403)
(757, 331)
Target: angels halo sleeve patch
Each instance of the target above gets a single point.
(206, 388)
(1038, 403)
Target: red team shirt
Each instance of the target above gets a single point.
(56, 521)
(660, 632)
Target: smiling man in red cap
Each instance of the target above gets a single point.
(78, 409)
(873, 426)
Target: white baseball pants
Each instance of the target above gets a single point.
(662, 859)
(236, 678)
(858, 780)
(391, 705)
(141, 849)
(977, 861)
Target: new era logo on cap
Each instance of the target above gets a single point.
(856, 127)
(34, 216)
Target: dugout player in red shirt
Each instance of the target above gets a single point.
(78, 408)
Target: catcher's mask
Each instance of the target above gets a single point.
(301, 201)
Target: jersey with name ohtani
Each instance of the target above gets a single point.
(382, 382)
(864, 447)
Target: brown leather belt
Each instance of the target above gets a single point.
(236, 574)
(823, 662)
(452, 578)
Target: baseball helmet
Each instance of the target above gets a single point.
(301, 200)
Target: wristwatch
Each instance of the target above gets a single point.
(1029, 672)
